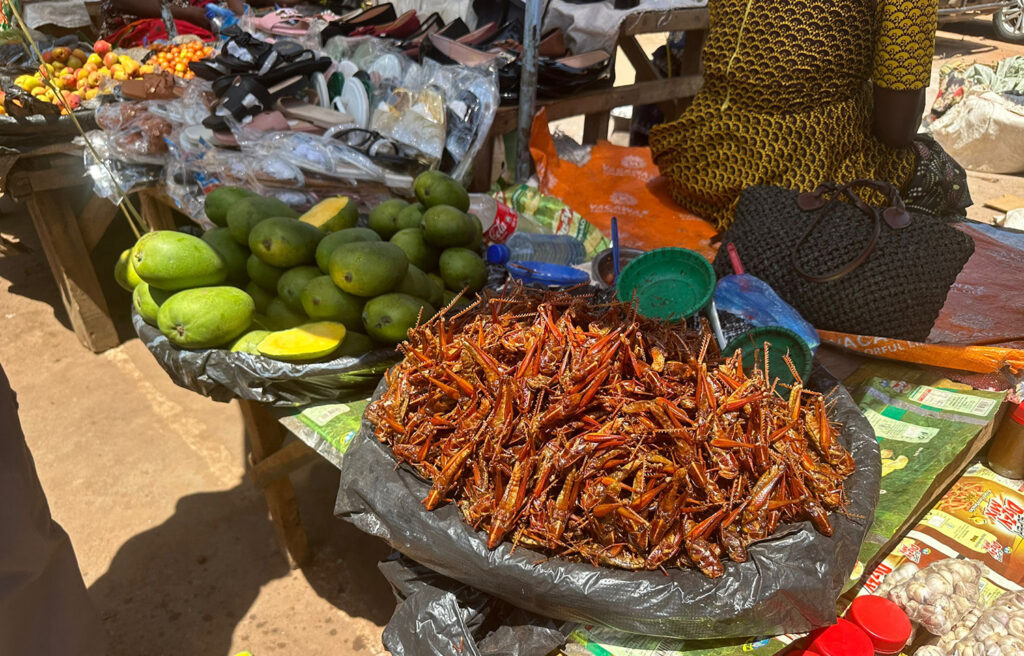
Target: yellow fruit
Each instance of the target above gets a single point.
(39, 91)
(119, 75)
(81, 73)
(125, 60)
(94, 59)
(104, 72)
(74, 62)
(146, 69)
(91, 93)
(307, 342)
(58, 67)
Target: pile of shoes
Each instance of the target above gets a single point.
(249, 76)
(560, 73)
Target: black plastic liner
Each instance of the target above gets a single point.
(223, 375)
(789, 584)
(437, 615)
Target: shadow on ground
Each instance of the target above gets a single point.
(30, 276)
(193, 578)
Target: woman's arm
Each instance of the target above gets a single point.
(897, 115)
(151, 9)
(902, 67)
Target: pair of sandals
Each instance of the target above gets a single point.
(249, 76)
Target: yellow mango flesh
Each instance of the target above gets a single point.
(307, 342)
(332, 214)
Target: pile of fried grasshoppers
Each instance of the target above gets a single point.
(585, 431)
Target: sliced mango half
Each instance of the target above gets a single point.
(306, 342)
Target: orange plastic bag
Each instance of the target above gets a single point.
(978, 359)
(621, 182)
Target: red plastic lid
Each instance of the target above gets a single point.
(884, 622)
(1018, 414)
(843, 638)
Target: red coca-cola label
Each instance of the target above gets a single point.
(505, 222)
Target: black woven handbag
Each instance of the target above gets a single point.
(844, 264)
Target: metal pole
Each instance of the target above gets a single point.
(528, 87)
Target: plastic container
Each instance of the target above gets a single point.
(1006, 453)
(499, 221)
(553, 249)
(844, 638)
(667, 283)
(547, 275)
(885, 623)
(781, 341)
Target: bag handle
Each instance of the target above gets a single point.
(896, 216)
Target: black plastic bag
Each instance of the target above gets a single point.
(437, 615)
(789, 584)
(223, 375)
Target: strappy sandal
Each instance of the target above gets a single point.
(248, 96)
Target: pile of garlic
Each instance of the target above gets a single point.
(940, 595)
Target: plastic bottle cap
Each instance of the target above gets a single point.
(884, 622)
(498, 253)
(843, 638)
(1018, 414)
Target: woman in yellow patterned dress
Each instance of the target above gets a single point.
(800, 92)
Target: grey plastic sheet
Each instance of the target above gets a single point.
(222, 375)
(789, 584)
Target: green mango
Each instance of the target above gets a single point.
(206, 317)
(293, 282)
(245, 214)
(171, 260)
(260, 297)
(416, 283)
(263, 274)
(332, 214)
(384, 217)
(284, 242)
(354, 345)
(335, 239)
(445, 226)
(323, 301)
(248, 342)
(433, 188)
(147, 301)
(389, 317)
(461, 269)
(368, 268)
(220, 200)
(416, 248)
(281, 317)
(411, 216)
(233, 254)
(124, 272)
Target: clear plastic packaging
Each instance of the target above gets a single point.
(941, 594)
(756, 302)
(998, 632)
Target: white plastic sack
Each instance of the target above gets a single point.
(984, 132)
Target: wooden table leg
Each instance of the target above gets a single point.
(72, 269)
(266, 435)
(595, 127)
(156, 214)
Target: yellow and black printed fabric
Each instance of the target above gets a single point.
(787, 98)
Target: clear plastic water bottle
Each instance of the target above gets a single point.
(525, 247)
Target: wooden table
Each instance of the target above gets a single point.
(70, 221)
(672, 94)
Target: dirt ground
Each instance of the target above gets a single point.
(150, 480)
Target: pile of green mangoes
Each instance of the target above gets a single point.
(268, 281)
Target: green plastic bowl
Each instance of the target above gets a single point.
(667, 283)
(781, 341)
